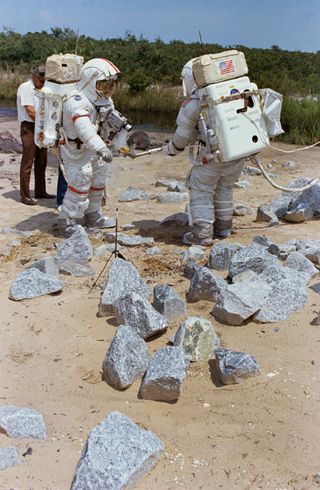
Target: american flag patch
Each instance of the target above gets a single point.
(226, 66)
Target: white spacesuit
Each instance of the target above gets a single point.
(85, 155)
(211, 183)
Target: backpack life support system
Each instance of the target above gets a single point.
(62, 74)
(237, 119)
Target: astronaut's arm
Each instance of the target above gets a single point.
(185, 132)
(87, 132)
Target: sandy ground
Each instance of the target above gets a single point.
(262, 433)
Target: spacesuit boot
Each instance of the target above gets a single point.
(97, 220)
(71, 227)
(200, 234)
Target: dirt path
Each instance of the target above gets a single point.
(262, 433)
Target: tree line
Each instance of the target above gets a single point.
(144, 63)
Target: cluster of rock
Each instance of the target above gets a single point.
(265, 283)
(293, 207)
(19, 422)
(126, 296)
(41, 277)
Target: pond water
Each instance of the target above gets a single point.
(152, 121)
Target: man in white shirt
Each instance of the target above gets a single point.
(26, 101)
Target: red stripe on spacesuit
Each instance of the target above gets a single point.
(73, 189)
(185, 102)
(74, 118)
(96, 189)
(114, 66)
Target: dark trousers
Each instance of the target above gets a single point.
(61, 187)
(32, 153)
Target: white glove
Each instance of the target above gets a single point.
(169, 149)
(106, 154)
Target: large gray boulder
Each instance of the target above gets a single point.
(168, 302)
(205, 285)
(78, 246)
(240, 301)
(22, 422)
(289, 293)
(221, 255)
(137, 312)
(32, 283)
(9, 457)
(123, 277)
(254, 257)
(299, 262)
(117, 455)
(126, 360)
(164, 377)
(234, 366)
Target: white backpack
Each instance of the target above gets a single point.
(62, 74)
(237, 118)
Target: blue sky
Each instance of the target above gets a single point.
(290, 24)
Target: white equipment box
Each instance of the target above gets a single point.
(236, 119)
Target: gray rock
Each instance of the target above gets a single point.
(78, 246)
(289, 164)
(284, 201)
(129, 241)
(254, 257)
(283, 250)
(176, 186)
(205, 285)
(22, 422)
(9, 457)
(190, 268)
(195, 252)
(153, 251)
(32, 283)
(299, 215)
(298, 262)
(117, 455)
(127, 358)
(234, 366)
(7, 231)
(123, 277)
(242, 184)
(163, 182)
(316, 287)
(132, 194)
(310, 249)
(137, 312)
(101, 250)
(164, 377)
(242, 210)
(128, 226)
(309, 198)
(78, 268)
(240, 301)
(180, 219)
(197, 338)
(221, 255)
(264, 213)
(166, 197)
(262, 240)
(252, 171)
(47, 265)
(289, 293)
(244, 276)
(168, 302)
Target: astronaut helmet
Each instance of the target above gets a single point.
(98, 79)
(188, 82)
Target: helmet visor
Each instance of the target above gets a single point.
(106, 88)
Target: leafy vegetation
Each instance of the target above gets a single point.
(151, 70)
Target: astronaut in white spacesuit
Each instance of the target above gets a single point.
(211, 182)
(84, 153)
